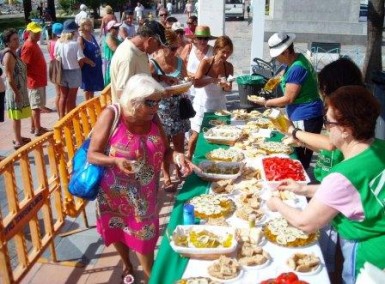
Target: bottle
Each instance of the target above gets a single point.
(272, 83)
(188, 214)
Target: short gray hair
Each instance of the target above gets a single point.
(138, 88)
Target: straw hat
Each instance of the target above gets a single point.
(203, 31)
(279, 42)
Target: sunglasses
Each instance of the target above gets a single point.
(328, 123)
(151, 103)
(162, 15)
(203, 38)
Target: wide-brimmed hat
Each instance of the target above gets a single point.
(70, 26)
(177, 27)
(112, 24)
(203, 31)
(279, 42)
(57, 29)
(34, 27)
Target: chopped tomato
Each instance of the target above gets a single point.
(277, 169)
(269, 281)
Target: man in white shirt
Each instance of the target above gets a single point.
(139, 12)
(82, 14)
(169, 7)
(131, 56)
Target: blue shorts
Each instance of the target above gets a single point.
(71, 79)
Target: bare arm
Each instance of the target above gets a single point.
(291, 93)
(200, 79)
(111, 43)
(297, 188)
(9, 65)
(314, 141)
(315, 216)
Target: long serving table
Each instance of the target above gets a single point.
(170, 266)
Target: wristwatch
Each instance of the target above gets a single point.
(294, 133)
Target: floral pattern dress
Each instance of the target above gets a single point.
(127, 209)
(169, 107)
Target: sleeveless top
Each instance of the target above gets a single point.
(193, 63)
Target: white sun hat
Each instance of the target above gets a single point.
(279, 42)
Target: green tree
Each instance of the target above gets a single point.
(27, 5)
(373, 58)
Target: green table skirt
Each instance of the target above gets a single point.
(170, 266)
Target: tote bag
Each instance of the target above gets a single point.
(55, 71)
(86, 177)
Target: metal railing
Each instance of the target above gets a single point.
(36, 181)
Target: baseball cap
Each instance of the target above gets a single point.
(177, 27)
(113, 24)
(57, 29)
(155, 28)
(70, 26)
(34, 27)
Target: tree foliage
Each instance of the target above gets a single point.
(373, 56)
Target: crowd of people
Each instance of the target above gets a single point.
(139, 63)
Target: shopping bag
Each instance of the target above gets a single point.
(55, 71)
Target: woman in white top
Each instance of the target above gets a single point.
(195, 52)
(210, 86)
(71, 56)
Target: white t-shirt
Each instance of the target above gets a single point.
(127, 61)
(139, 11)
(70, 53)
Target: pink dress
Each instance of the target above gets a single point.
(126, 205)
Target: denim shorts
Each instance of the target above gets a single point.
(71, 78)
(349, 251)
(37, 97)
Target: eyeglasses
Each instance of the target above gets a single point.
(151, 103)
(163, 15)
(203, 38)
(328, 123)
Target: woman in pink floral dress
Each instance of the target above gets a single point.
(127, 212)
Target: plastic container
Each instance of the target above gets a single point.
(188, 214)
(249, 85)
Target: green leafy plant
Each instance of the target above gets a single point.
(66, 5)
(34, 14)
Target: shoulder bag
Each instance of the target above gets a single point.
(86, 177)
(55, 70)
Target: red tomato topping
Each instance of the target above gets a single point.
(277, 169)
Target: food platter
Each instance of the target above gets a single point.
(225, 270)
(201, 241)
(212, 206)
(223, 134)
(225, 155)
(214, 171)
(178, 89)
(196, 280)
(304, 263)
(288, 236)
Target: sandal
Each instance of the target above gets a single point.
(41, 131)
(16, 146)
(32, 131)
(24, 139)
(170, 187)
(46, 110)
(128, 279)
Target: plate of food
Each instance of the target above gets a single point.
(225, 270)
(212, 206)
(224, 186)
(223, 134)
(179, 88)
(304, 264)
(252, 235)
(279, 232)
(196, 280)
(201, 241)
(225, 155)
(278, 168)
(252, 256)
(214, 171)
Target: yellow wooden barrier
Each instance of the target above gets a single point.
(33, 214)
(36, 180)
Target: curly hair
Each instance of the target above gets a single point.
(356, 108)
(7, 34)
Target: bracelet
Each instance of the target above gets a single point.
(294, 133)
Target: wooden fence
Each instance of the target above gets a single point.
(36, 181)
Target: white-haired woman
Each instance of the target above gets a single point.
(127, 214)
